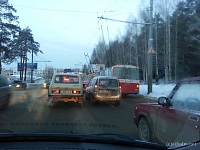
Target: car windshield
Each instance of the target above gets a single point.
(101, 67)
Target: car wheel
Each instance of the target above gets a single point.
(92, 100)
(86, 96)
(4, 106)
(81, 104)
(117, 103)
(50, 103)
(144, 130)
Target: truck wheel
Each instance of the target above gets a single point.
(144, 130)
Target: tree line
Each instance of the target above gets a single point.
(15, 43)
(176, 42)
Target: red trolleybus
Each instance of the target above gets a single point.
(128, 76)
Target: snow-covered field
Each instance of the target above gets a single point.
(157, 90)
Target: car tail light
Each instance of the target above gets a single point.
(138, 86)
(55, 91)
(76, 92)
(120, 88)
(95, 88)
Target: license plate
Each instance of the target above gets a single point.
(104, 91)
(66, 92)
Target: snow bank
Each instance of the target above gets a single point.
(157, 90)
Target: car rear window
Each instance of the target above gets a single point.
(66, 79)
(108, 82)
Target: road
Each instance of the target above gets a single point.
(28, 112)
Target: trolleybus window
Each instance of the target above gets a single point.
(126, 73)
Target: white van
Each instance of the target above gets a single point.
(65, 87)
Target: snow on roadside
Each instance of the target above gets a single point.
(157, 90)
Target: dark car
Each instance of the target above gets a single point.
(18, 85)
(47, 83)
(4, 92)
(104, 88)
(174, 118)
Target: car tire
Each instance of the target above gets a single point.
(92, 100)
(81, 104)
(144, 130)
(117, 103)
(50, 103)
(5, 106)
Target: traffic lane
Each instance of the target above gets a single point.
(28, 112)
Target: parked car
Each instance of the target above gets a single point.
(46, 83)
(18, 85)
(5, 92)
(65, 87)
(174, 118)
(104, 88)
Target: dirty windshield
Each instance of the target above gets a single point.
(147, 51)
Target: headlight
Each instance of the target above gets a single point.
(44, 84)
(10, 85)
(17, 85)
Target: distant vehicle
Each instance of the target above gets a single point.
(18, 84)
(5, 92)
(175, 118)
(46, 83)
(104, 88)
(65, 87)
(128, 76)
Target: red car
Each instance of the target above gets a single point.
(174, 118)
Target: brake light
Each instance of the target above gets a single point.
(137, 85)
(76, 92)
(95, 88)
(55, 91)
(66, 79)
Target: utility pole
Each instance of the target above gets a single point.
(106, 59)
(88, 61)
(32, 68)
(150, 50)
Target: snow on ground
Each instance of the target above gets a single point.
(157, 90)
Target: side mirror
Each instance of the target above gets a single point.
(162, 101)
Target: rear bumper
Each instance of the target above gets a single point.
(66, 98)
(107, 98)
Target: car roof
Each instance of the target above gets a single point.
(105, 77)
(193, 79)
(71, 74)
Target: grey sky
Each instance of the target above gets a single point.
(66, 29)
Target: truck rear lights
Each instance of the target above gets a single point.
(55, 91)
(76, 92)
